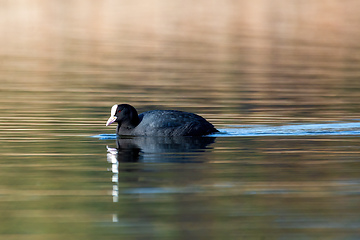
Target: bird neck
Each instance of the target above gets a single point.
(131, 122)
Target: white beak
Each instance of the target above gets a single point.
(111, 120)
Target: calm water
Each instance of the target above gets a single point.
(279, 79)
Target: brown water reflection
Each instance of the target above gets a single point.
(290, 60)
(65, 63)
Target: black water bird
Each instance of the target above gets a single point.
(158, 122)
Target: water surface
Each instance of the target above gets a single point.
(279, 80)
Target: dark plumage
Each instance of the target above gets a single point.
(158, 122)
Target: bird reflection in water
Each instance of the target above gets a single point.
(153, 150)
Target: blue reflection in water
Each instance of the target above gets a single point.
(106, 136)
(349, 128)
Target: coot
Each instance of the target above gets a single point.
(158, 122)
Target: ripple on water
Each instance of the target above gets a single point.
(346, 128)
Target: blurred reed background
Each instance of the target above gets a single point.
(249, 60)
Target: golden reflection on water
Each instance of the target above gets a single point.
(249, 58)
(65, 63)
